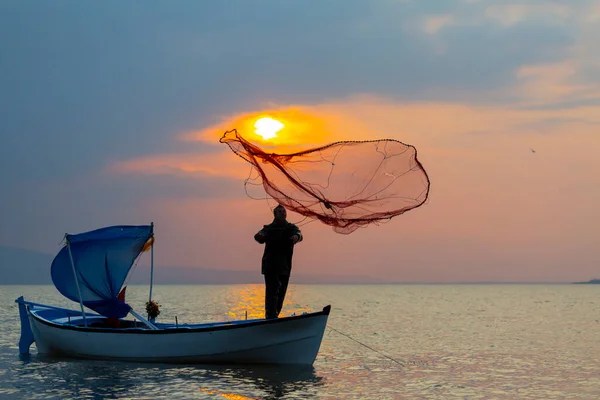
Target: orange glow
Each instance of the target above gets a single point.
(232, 396)
(267, 127)
(300, 127)
(229, 396)
(448, 136)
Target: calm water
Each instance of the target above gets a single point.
(449, 341)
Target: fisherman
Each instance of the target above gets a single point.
(279, 238)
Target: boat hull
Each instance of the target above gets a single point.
(289, 340)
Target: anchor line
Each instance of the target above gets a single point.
(368, 347)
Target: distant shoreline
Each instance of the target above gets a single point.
(590, 282)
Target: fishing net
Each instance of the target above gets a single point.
(345, 185)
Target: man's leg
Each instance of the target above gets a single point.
(271, 290)
(283, 284)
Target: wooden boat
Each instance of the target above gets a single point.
(91, 269)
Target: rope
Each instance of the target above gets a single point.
(368, 347)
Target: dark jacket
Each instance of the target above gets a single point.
(279, 249)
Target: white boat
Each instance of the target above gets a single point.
(91, 269)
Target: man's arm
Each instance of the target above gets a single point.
(296, 234)
(261, 236)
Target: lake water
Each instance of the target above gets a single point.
(424, 342)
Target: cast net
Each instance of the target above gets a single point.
(346, 184)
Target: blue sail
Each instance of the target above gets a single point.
(102, 259)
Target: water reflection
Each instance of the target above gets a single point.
(52, 377)
(249, 301)
(276, 382)
(242, 299)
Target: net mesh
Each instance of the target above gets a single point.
(346, 184)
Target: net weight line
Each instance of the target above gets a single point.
(367, 346)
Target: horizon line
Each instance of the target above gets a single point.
(337, 283)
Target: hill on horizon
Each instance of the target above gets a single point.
(24, 267)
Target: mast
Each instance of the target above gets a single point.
(76, 280)
(151, 261)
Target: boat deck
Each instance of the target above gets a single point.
(74, 318)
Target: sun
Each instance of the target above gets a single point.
(267, 127)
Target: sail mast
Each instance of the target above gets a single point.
(151, 262)
(76, 280)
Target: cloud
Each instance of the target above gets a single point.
(434, 24)
(511, 14)
(178, 165)
(554, 82)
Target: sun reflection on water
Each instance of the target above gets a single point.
(242, 299)
(248, 301)
(228, 396)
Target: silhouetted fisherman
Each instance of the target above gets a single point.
(279, 238)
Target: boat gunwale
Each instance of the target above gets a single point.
(324, 312)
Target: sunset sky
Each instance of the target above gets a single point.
(111, 113)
